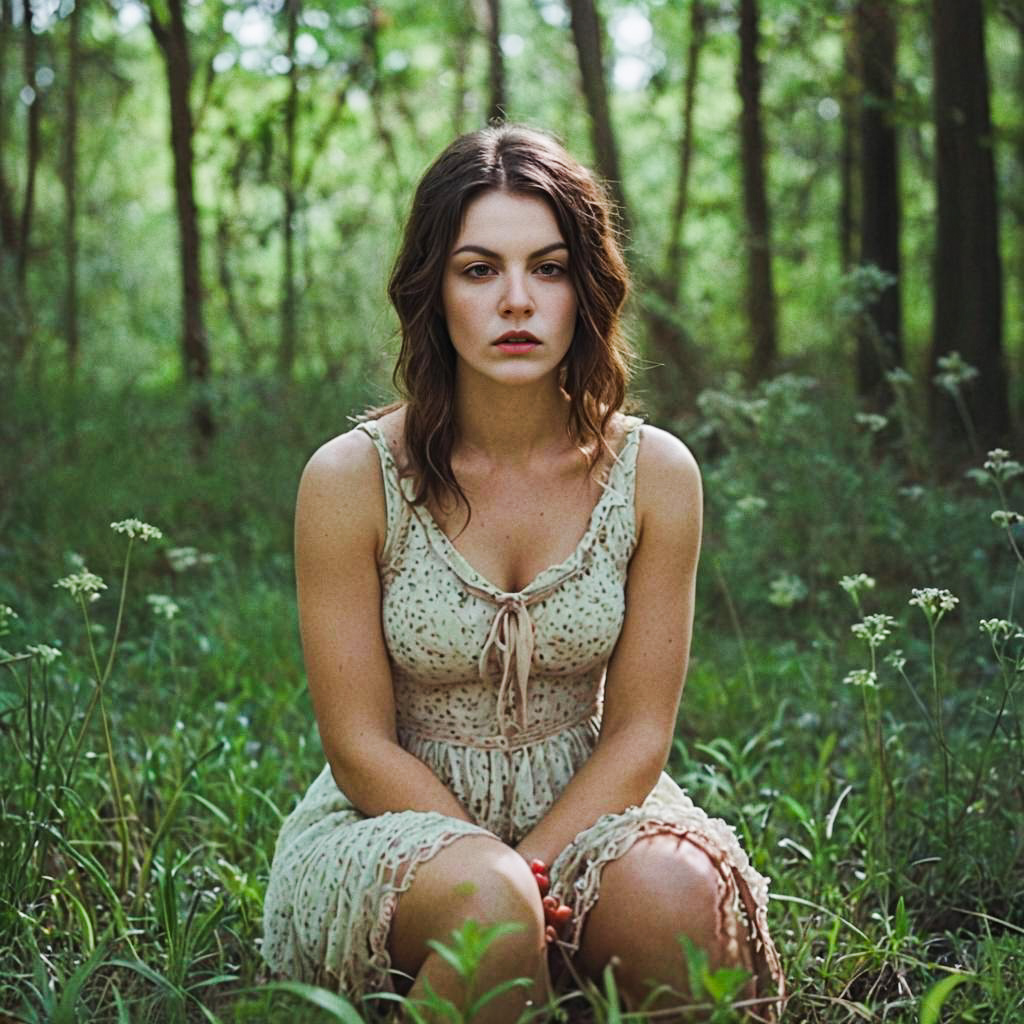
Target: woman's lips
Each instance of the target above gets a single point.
(516, 342)
(517, 346)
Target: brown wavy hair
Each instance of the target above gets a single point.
(595, 373)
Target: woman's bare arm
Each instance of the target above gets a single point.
(647, 669)
(340, 522)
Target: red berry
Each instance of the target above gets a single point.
(543, 883)
(538, 867)
(550, 903)
(562, 914)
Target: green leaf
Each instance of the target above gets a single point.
(337, 1006)
(932, 1002)
(501, 989)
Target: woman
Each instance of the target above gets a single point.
(495, 583)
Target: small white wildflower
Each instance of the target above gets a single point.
(83, 583)
(997, 629)
(787, 590)
(861, 677)
(855, 584)
(872, 420)
(1000, 466)
(1005, 518)
(896, 659)
(873, 629)
(163, 606)
(750, 504)
(933, 601)
(184, 558)
(913, 492)
(7, 613)
(46, 654)
(136, 529)
(899, 377)
(954, 372)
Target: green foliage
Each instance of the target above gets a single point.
(884, 810)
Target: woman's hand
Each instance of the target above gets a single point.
(556, 914)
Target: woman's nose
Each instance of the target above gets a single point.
(516, 299)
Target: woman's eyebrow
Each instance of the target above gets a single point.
(492, 255)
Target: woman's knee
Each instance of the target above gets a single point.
(475, 878)
(664, 889)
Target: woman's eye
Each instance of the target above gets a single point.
(550, 269)
(477, 270)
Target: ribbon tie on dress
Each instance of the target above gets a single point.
(512, 634)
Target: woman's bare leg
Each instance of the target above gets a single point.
(662, 888)
(481, 879)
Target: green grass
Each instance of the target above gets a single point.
(888, 817)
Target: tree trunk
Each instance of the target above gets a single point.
(968, 284)
(498, 102)
(879, 343)
(71, 192)
(849, 216)
(587, 33)
(674, 267)
(31, 147)
(760, 285)
(286, 355)
(460, 40)
(9, 312)
(172, 39)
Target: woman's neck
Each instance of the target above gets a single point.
(509, 426)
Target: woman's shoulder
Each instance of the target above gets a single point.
(668, 478)
(346, 470)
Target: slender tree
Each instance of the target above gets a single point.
(587, 33)
(498, 101)
(172, 39)
(674, 254)
(286, 352)
(761, 308)
(71, 339)
(879, 345)
(968, 282)
(849, 216)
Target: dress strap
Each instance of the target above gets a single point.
(393, 495)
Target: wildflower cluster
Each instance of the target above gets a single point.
(874, 629)
(83, 584)
(182, 559)
(787, 590)
(1000, 629)
(933, 602)
(1005, 518)
(896, 660)
(163, 606)
(46, 654)
(872, 420)
(862, 677)
(1001, 466)
(954, 372)
(137, 530)
(855, 584)
(7, 613)
(898, 377)
(750, 504)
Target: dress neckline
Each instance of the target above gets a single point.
(613, 494)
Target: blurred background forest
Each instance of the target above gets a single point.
(823, 208)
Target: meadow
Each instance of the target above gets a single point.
(852, 706)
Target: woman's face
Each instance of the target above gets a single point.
(508, 299)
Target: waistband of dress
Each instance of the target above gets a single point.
(519, 738)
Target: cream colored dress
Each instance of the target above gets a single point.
(500, 695)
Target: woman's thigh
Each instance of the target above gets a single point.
(475, 877)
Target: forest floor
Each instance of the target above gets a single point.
(853, 705)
